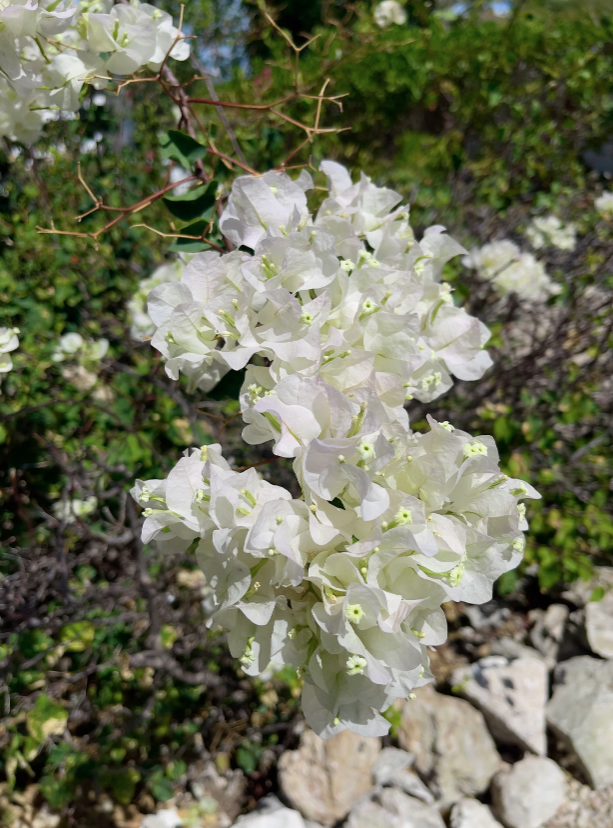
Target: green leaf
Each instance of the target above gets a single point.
(507, 582)
(57, 792)
(123, 785)
(229, 386)
(182, 148)
(46, 719)
(246, 759)
(597, 594)
(160, 787)
(78, 636)
(192, 245)
(175, 770)
(194, 204)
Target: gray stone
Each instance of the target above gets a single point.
(548, 630)
(511, 649)
(580, 592)
(390, 760)
(221, 794)
(512, 697)
(394, 809)
(279, 818)
(323, 779)
(584, 808)
(469, 813)
(411, 784)
(166, 818)
(599, 625)
(272, 813)
(580, 713)
(530, 793)
(455, 754)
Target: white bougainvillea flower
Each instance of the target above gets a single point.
(604, 205)
(544, 231)
(271, 203)
(389, 12)
(511, 271)
(339, 321)
(8, 342)
(50, 48)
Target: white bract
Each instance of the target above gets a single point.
(604, 205)
(8, 342)
(338, 318)
(510, 271)
(388, 12)
(549, 230)
(83, 357)
(141, 325)
(67, 511)
(50, 48)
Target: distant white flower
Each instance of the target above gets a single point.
(83, 357)
(549, 230)
(388, 12)
(604, 205)
(68, 511)
(510, 271)
(8, 342)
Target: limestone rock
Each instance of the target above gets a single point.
(512, 649)
(581, 714)
(166, 818)
(394, 809)
(547, 633)
(455, 753)
(411, 784)
(599, 625)
(580, 592)
(530, 793)
(323, 779)
(469, 813)
(584, 808)
(512, 697)
(389, 761)
(271, 813)
(220, 796)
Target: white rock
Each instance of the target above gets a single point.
(512, 649)
(389, 761)
(394, 809)
(548, 630)
(323, 779)
(281, 818)
(599, 625)
(512, 697)
(469, 813)
(530, 793)
(455, 754)
(163, 819)
(580, 713)
(271, 813)
(411, 784)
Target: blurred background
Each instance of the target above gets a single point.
(114, 696)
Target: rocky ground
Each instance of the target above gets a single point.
(517, 732)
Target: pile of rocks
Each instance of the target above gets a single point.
(522, 737)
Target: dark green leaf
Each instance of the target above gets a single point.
(182, 148)
(194, 204)
(192, 245)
